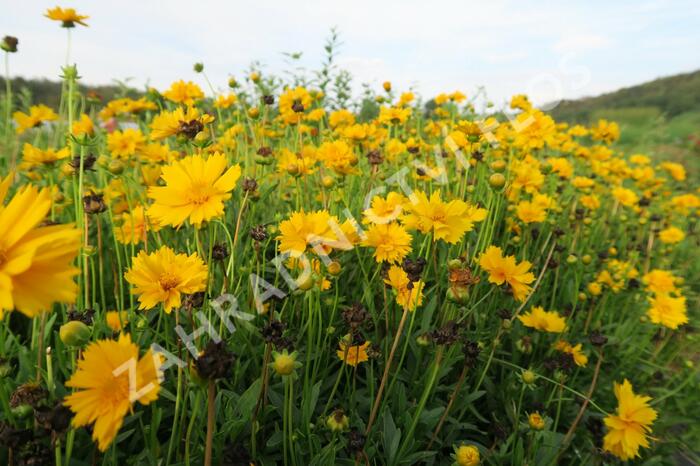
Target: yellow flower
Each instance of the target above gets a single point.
(353, 355)
(110, 377)
(625, 196)
(446, 221)
(66, 16)
(177, 122)
(83, 126)
(535, 421)
(676, 170)
(162, 276)
(529, 212)
(341, 117)
(195, 190)
(134, 227)
(182, 92)
(561, 166)
(35, 157)
(590, 201)
(671, 235)
(391, 242)
(338, 156)
(629, 427)
(156, 153)
(667, 310)
(575, 351)
(393, 115)
(409, 295)
(302, 230)
(659, 281)
(383, 210)
(293, 103)
(605, 131)
(37, 115)
(225, 101)
(125, 143)
(467, 455)
(35, 261)
(547, 321)
(116, 320)
(504, 269)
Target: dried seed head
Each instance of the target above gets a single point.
(9, 44)
(219, 252)
(264, 151)
(94, 203)
(354, 316)
(259, 233)
(375, 157)
(88, 163)
(298, 107)
(194, 301)
(414, 269)
(356, 442)
(190, 129)
(85, 316)
(446, 335)
(249, 185)
(30, 394)
(215, 362)
(269, 99)
(597, 339)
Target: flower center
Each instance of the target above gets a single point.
(3, 257)
(168, 281)
(199, 195)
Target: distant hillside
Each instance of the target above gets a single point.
(670, 96)
(44, 91)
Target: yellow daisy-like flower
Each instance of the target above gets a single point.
(37, 115)
(353, 355)
(667, 310)
(628, 429)
(307, 230)
(182, 92)
(116, 320)
(225, 101)
(179, 121)
(505, 270)
(110, 377)
(448, 221)
(125, 143)
(625, 196)
(36, 262)
(195, 190)
(163, 276)
(409, 295)
(391, 242)
(575, 351)
(659, 281)
(84, 126)
(134, 227)
(35, 157)
(384, 210)
(67, 16)
(338, 156)
(529, 212)
(671, 235)
(467, 455)
(546, 321)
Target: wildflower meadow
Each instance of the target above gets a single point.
(266, 271)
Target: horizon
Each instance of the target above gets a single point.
(551, 53)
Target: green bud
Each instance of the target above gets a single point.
(74, 333)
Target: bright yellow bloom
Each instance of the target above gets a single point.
(67, 16)
(83, 126)
(391, 242)
(504, 269)
(529, 212)
(575, 351)
(341, 117)
(667, 310)
(676, 170)
(162, 276)
(338, 156)
(561, 166)
(179, 121)
(225, 101)
(134, 227)
(110, 377)
(313, 230)
(625, 196)
(384, 210)
(116, 320)
(182, 92)
(467, 455)
(36, 262)
(659, 281)
(35, 157)
(446, 221)
(195, 190)
(629, 427)
(409, 295)
(671, 235)
(125, 143)
(535, 421)
(393, 115)
(546, 321)
(353, 355)
(157, 153)
(605, 131)
(37, 115)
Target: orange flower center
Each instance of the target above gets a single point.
(168, 281)
(199, 194)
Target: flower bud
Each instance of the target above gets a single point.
(74, 333)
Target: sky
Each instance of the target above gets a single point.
(549, 50)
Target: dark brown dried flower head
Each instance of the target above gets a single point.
(215, 362)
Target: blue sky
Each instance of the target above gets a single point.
(550, 50)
